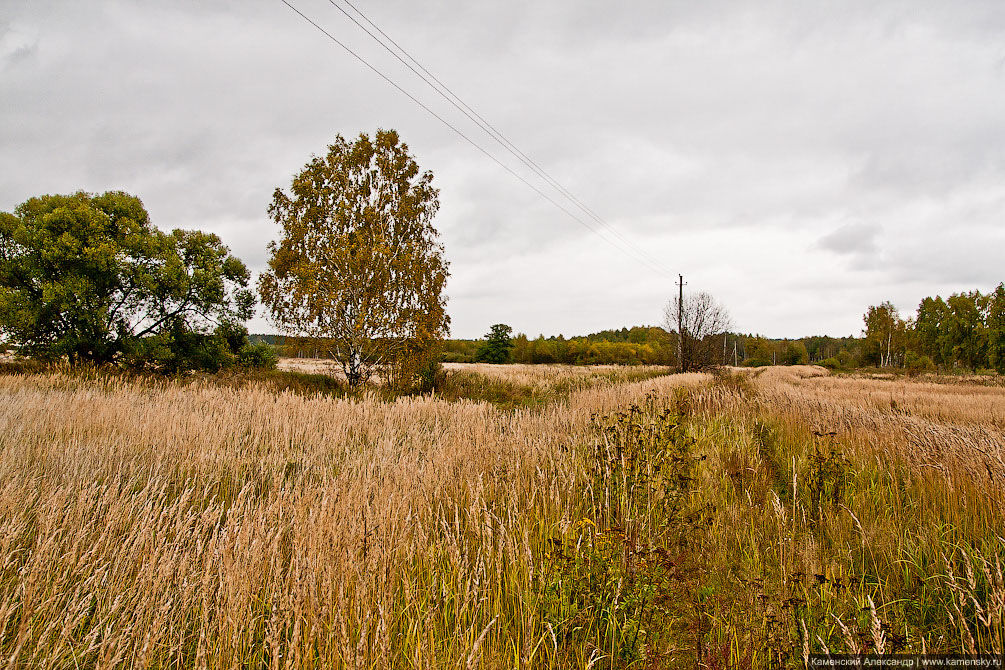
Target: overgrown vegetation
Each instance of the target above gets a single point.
(720, 533)
(515, 387)
(683, 520)
(642, 345)
(635, 346)
(179, 349)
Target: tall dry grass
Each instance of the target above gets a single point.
(148, 524)
(528, 386)
(549, 375)
(956, 429)
(869, 525)
(732, 525)
(736, 522)
(938, 402)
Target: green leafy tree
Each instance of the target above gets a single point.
(885, 336)
(794, 353)
(996, 329)
(90, 278)
(760, 351)
(522, 349)
(967, 328)
(498, 345)
(931, 330)
(544, 351)
(358, 263)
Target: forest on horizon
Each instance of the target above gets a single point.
(965, 332)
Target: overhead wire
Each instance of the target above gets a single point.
(484, 124)
(623, 247)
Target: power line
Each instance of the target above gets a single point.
(447, 94)
(599, 232)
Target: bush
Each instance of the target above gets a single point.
(457, 357)
(180, 349)
(846, 359)
(795, 353)
(417, 369)
(831, 363)
(916, 364)
(257, 356)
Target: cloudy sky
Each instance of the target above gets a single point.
(798, 160)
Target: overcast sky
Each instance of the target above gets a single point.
(798, 160)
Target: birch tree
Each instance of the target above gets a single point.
(358, 265)
(885, 335)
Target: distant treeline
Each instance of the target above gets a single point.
(963, 332)
(639, 345)
(652, 345)
(966, 331)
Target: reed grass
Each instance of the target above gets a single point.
(737, 521)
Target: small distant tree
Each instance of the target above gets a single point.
(703, 322)
(498, 345)
(544, 351)
(885, 336)
(522, 349)
(915, 364)
(930, 335)
(968, 328)
(794, 353)
(358, 264)
(759, 352)
(90, 278)
(996, 329)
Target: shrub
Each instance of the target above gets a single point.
(417, 368)
(831, 363)
(180, 349)
(846, 359)
(795, 353)
(257, 356)
(916, 364)
(457, 357)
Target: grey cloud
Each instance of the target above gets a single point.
(851, 239)
(736, 142)
(17, 45)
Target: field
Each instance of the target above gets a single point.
(522, 516)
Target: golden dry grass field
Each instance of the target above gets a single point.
(526, 516)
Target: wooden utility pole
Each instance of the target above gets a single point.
(680, 324)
